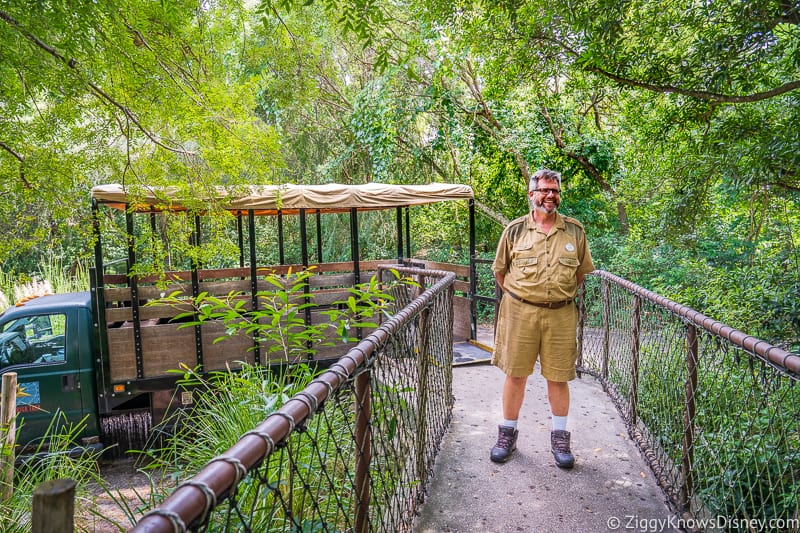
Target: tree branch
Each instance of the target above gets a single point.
(587, 165)
(700, 95)
(491, 213)
(11, 151)
(785, 186)
(469, 77)
(582, 160)
(96, 90)
(19, 157)
(790, 12)
(193, 93)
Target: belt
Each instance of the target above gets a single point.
(548, 305)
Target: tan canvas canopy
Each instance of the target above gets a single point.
(268, 199)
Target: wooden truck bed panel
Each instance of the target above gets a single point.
(165, 345)
(229, 351)
(122, 358)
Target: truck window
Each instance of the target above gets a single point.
(33, 340)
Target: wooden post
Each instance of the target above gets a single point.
(423, 369)
(581, 326)
(636, 321)
(606, 298)
(54, 507)
(363, 437)
(689, 412)
(473, 275)
(8, 431)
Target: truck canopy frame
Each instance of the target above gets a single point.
(246, 203)
(287, 199)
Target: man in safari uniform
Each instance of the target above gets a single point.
(542, 259)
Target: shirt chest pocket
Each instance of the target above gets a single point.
(569, 262)
(565, 272)
(527, 264)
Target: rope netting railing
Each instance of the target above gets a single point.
(354, 450)
(716, 412)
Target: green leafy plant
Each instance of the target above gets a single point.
(229, 403)
(279, 322)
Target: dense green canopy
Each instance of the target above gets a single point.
(676, 124)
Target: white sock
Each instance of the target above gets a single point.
(510, 423)
(559, 423)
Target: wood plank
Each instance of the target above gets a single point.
(461, 286)
(152, 292)
(122, 358)
(119, 314)
(347, 266)
(329, 280)
(115, 279)
(281, 270)
(329, 296)
(117, 294)
(462, 318)
(459, 270)
(172, 276)
(166, 347)
(222, 273)
(122, 295)
(227, 352)
(116, 315)
(243, 272)
(223, 288)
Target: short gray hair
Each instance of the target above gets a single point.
(544, 174)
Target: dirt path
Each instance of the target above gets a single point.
(99, 511)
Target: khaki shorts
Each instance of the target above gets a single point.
(526, 333)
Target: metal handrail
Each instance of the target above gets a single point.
(772, 354)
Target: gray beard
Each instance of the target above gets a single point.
(533, 207)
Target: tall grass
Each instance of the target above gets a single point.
(229, 404)
(38, 467)
(51, 278)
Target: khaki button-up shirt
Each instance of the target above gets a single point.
(542, 267)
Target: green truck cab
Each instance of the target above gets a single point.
(49, 342)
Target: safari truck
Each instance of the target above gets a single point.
(104, 356)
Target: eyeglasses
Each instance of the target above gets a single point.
(548, 191)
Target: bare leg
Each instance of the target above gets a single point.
(558, 394)
(513, 394)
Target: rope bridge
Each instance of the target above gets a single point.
(714, 411)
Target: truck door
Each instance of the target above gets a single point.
(42, 350)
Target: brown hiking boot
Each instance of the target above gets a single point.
(506, 444)
(559, 441)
